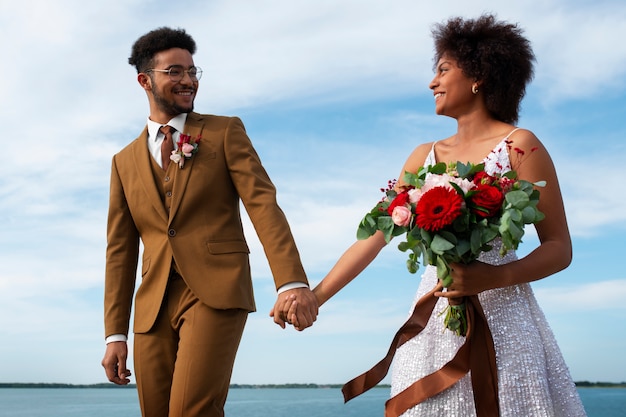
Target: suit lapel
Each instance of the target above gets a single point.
(193, 127)
(141, 156)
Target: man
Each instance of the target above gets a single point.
(182, 202)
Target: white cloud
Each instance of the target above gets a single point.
(601, 295)
(593, 202)
(576, 51)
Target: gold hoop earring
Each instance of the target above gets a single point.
(475, 89)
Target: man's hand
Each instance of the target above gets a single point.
(297, 306)
(114, 363)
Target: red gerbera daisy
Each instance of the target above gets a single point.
(438, 208)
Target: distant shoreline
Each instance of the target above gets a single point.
(579, 384)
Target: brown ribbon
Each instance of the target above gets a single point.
(476, 354)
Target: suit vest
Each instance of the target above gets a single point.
(164, 181)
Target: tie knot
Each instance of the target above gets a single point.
(166, 129)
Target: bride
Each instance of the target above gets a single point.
(482, 68)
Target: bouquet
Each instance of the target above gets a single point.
(452, 213)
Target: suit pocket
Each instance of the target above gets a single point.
(206, 155)
(229, 246)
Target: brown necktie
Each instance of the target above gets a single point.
(167, 146)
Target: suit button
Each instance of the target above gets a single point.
(171, 232)
(167, 179)
(169, 193)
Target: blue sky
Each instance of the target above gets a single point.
(334, 95)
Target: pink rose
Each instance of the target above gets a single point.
(401, 216)
(187, 149)
(415, 194)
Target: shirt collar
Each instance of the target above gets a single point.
(177, 123)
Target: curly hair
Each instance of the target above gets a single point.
(493, 52)
(161, 39)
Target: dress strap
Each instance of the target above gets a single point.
(430, 158)
(511, 132)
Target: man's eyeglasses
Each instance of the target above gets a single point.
(177, 72)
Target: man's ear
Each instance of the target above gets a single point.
(144, 81)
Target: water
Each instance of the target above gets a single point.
(262, 402)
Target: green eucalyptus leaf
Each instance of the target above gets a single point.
(458, 189)
(477, 168)
(529, 214)
(404, 246)
(539, 216)
(518, 199)
(515, 215)
(462, 169)
(427, 237)
(439, 245)
(438, 169)
(363, 233)
(411, 179)
(516, 232)
(507, 242)
(429, 256)
(450, 237)
(462, 248)
(386, 225)
(476, 240)
(534, 196)
(510, 175)
(443, 272)
(489, 234)
(398, 230)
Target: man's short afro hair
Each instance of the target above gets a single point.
(161, 39)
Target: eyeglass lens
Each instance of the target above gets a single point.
(177, 73)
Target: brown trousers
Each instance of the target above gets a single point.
(184, 364)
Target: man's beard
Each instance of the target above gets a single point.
(169, 107)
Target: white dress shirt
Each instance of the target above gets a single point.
(155, 137)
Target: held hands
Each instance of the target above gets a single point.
(114, 363)
(298, 307)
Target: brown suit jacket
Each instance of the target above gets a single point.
(202, 231)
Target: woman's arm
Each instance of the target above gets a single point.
(350, 264)
(362, 252)
(555, 250)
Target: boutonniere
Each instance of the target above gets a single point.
(187, 146)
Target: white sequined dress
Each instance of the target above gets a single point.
(533, 379)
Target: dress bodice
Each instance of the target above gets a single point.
(497, 162)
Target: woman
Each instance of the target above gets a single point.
(482, 69)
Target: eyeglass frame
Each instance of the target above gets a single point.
(193, 77)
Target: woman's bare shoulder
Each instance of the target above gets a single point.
(523, 138)
(417, 158)
(419, 154)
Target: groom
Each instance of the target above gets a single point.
(196, 289)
